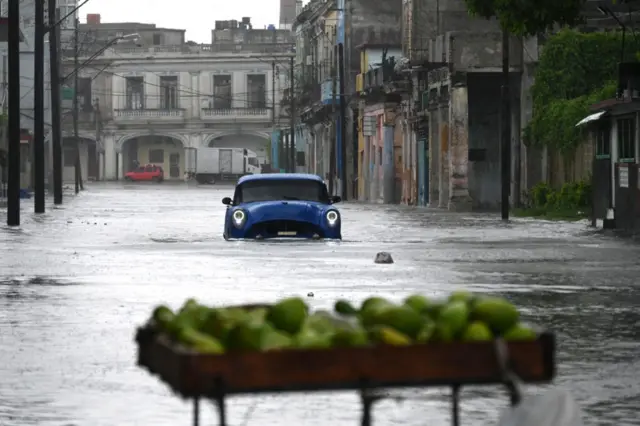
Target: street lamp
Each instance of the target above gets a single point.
(117, 40)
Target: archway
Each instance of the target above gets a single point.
(88, 151)
(165, 151)
(255, 144)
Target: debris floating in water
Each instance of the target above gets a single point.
(384, 258)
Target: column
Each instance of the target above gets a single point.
(366, 168)
(120, 166)
(443, 126)
(434, 158)
(459, 199)
(388, 169)
(101, 166)
(109, 156)
(195, 99)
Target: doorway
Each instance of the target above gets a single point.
(174, 165)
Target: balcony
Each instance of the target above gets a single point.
(249, 115)
(145, 115)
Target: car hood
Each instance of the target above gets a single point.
(305, 211)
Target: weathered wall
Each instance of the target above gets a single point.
(434, 17)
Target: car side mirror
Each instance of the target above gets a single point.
(335, 199)
(226, 201)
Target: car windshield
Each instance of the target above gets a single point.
(281, 189)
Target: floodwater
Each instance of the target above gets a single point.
(75, 283)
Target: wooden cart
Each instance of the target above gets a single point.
(453, 365)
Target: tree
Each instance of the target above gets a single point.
(528, 17)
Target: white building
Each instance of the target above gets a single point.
(153, 103)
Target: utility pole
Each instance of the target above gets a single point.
(292, 136)
(98, 117)
(76, 136)
(334, 127)
(505, 146)
(38, 109)
(13, 163)
(54, 73)
(273, 94)
(343, 123)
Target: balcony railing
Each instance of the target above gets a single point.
(148, 114)
(239, 114)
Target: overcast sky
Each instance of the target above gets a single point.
(198, 17)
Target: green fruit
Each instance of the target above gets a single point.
(460, 296)
(520, 333)
(272, 340)
(221, 321)
(312, 340)
(350, 338)
(404, 319)
(210, 347)
(345, 308)
(434, 308)
(257, 315)
(163, 316)
(320, 322)
(455, 315)
(498, 313)
(442, 333)
(388, 336)
(288, 315)
(373, 302)
(247, 337)
(418, 302)
(427, 332)
(192, 338)
(477, 332)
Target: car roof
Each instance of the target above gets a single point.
(280, 176)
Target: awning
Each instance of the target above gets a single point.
(592, 117)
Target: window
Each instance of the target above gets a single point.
(221, 92)
(157, 39)
(149, 168)
(169, 92)
(285, 189)
(156, 156)
(626, 139)
(253, 161)
(603, 140)
(135, 92)
(256, 91)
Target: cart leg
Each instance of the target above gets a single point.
(222, 411)
(196, 412)
(455, 405)
(367, 405)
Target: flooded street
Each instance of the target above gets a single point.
(76, 282)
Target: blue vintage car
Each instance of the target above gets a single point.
(281, 205)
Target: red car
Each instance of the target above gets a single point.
(146, 173)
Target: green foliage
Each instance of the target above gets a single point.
(528, 17)
(575, 71)
(573, 64)
(572, 201)
(555, 123)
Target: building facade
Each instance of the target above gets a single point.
(159, 103)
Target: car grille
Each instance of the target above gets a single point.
(284, 229)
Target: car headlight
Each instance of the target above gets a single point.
(332, 217)
(238, 217)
